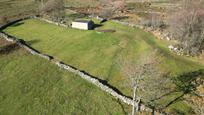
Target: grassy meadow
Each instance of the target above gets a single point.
(97, 53)
(30, 85)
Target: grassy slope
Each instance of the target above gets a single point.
(97, 53)
(31, 85)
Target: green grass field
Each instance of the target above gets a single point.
(97, 53)
(30, 85)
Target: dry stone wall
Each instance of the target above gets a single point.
(96, 82)
(22, 44)
(51, 22)
(157, 33)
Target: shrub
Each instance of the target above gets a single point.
(187, 26)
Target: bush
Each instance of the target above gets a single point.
(153, 21)
(187, 26)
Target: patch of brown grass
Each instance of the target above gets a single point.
(3, 42)
(107, 31)
(7, 47)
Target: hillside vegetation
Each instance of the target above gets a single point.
(17, 8)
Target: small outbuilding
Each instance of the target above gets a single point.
(83, 24)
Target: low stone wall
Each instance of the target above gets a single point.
(51, 22)
(13, 22)
(22, 44)
(10, 23)
(157, 33)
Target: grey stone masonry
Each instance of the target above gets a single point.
(95, 82)
(51, 22)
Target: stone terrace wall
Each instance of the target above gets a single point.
(22, 44)
(51, 22)
(13, 22)
(157, 33)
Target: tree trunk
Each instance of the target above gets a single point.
(138, 104)
(134, 98)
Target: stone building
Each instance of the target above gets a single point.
(83, 24)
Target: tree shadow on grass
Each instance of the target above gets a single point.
(186, 83)
(122, 107)
(31, 42)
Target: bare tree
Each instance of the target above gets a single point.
(187, 25)
(146, 82)
(109, 7)
(153, 20)
(54, 8)
(118, 5)
(106, 12)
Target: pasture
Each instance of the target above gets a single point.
(97, 53)
(31, 85)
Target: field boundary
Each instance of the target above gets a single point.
(51, 22)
